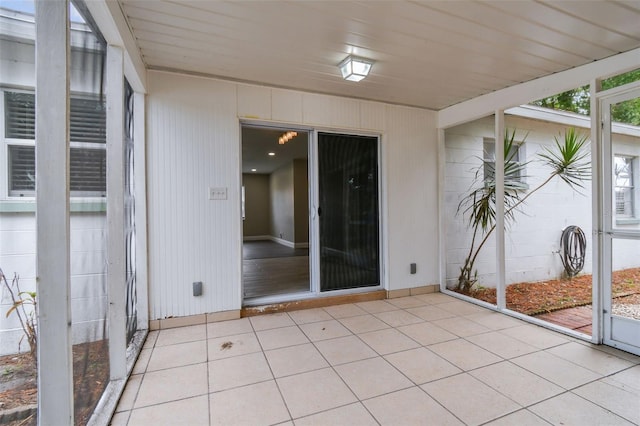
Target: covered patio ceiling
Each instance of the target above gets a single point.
(429, 54)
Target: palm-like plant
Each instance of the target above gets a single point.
(569, 160)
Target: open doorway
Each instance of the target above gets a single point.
(275, 212)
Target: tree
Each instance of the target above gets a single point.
(568, 160)
(578, 100)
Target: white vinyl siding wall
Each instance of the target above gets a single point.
(193, 134)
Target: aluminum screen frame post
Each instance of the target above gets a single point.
(55, 364)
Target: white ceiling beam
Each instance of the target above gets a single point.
(113, 25)
(539, 88)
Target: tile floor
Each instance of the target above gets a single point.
(428, 359)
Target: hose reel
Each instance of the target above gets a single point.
(573, 244)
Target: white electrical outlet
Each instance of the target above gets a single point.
(217, 193)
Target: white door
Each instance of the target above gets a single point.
(621, 213)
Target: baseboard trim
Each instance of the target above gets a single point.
(405, 292)
(163, 324)
(318, 302)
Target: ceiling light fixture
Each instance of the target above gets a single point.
(286, 137)
(254, 170)
(271, 154)
(354, 68)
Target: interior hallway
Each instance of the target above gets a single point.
(428, 359)
(270, 268)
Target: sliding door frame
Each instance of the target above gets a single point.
(314, 226)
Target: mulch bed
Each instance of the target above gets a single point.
(548, 296)
(18, 386)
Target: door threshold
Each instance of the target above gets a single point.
(310, 303)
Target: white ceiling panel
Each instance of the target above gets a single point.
(430, 54)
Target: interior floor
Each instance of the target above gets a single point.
(269, 268)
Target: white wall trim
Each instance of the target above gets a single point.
(114, 28)
(568, 118)
(116, 269)
(140, 185)
(523, 93)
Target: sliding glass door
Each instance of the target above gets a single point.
(348, 211)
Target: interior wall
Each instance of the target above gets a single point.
(257, 205)
(282, 214)
(194, 143)
(301, 201)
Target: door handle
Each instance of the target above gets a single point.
(319, 211)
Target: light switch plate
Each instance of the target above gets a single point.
(217, 193)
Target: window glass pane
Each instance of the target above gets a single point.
(88, 171)
(88, 121)
(22, 170)
(20, 115)
(87, 118)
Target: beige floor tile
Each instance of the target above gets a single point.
(520, 418)
(634, 359)
(461, 326)
(238, 371)
(228, 346)
(398, 318)
(306, 316)
(501, 344)
(622, 402)
(377, 306)
(421, 365)
(430, 313)
(536, 336)
(516, 383)
(372, 377)
(177, 335)
(344, 311)
(345, 349)
(409, 407)
(178, 355)
(324, 330)
(142, 361)
(464, 355)
(315, 391)
(353, 414)
(570, 409)
(229, 328)
(628, 380)
(407, 302)
(172, 384)
(427, 333)
(281, 337)
(460, 307)
(494, 320)
(555, 369)
(130, 392)
(257, 404)
(388, 341)
(469, 399)
(266, 322)
(591, 358)
(435, 298)
(187, 412)
(363, 323)
(120, 419)
(295, 359)
(150, 341)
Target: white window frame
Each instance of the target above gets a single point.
(489, 159)
(631, 189)
(6, 143)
